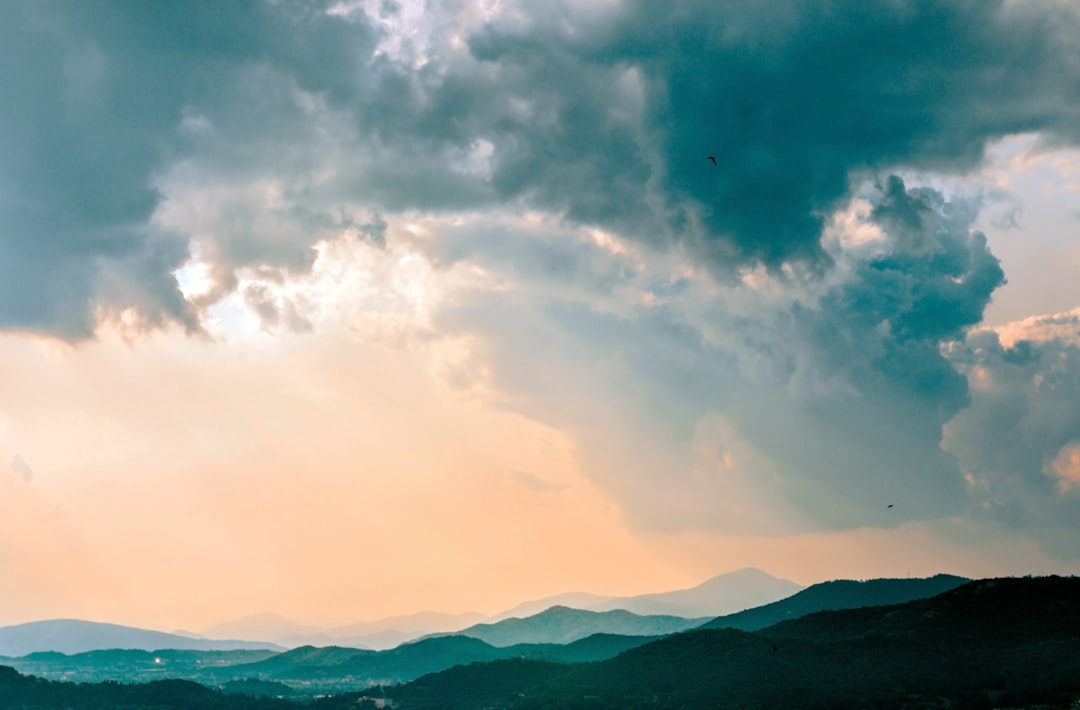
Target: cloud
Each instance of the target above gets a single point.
(536, 483)
(610, 121)
(725, 408)
(598, 115)
(1016, 442)
(96, 95)
(21, 468)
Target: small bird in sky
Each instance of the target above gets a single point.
(712, 158)
(890, 505)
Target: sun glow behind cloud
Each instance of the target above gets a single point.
(408, 309)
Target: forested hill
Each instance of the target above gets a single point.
(987, 644)
(19, 692)
(561, 624)
(992, 643)
(835, 595)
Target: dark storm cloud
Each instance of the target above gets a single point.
(791, 97)
(834, 405)
(600, 116)
(92, 96)
(873, 389)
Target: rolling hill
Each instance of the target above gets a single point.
(992, 643)
(834, 595)
(74, 636)
(723, 594)
(561, 624)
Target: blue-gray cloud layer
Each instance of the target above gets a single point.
(699, 414)
(598, 117)
(603, 116)
(1018, 423)
(93, 94)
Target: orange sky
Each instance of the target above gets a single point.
(180, 482)
(382, 310)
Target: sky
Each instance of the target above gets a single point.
(344, 310)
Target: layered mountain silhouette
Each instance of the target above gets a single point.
(381, 634)
(315, 670)
(558, 634)
(837, 594)
(723, 594)
(74, 636)
(989, 643)
(561, 624)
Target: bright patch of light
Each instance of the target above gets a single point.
(193, 278)
(1041, 329)
(1066, 466)
(852, 228)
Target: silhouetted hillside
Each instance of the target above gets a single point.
(479, 685)
(597, 647)
(19, 692)
(994, 643)
(839, 594)
(336, 668)
(299, 659)
(986, 612)
(207, 667)
(987, 644)
(310, 670)
(561, 624)
(722, 594)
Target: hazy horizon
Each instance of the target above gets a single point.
(354, 309)
(430, 620)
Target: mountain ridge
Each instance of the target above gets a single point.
(725, 593)
(1004, 642)
(562, 625)
(78, 636)
(836, 595)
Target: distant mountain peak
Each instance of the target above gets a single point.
(76, 636)
(723, 594)
(562, 624)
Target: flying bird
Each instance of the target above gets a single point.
(890, 505)
(712, 158)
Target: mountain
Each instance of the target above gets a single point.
(134, 666)
(723, 594)
(395, 630)
(423, 622)
(27, 692)
(74, 636)
(574, 600)
(984, 644)
(379, 634)
(267, 626)
(991, 643)
(308, 671)
(597, 647)
(561, 624)
(837, 594)
(335, 669)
